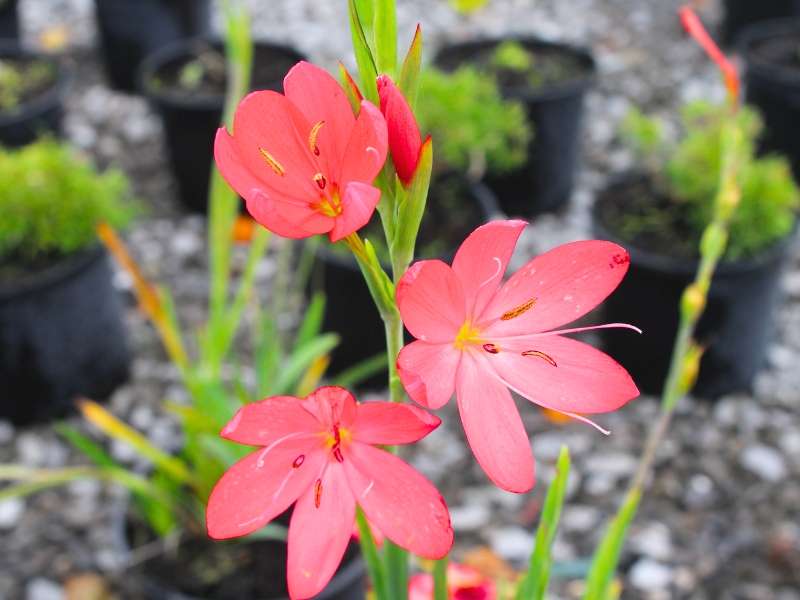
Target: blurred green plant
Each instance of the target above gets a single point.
(476, 130)
(22, 78)
(464, 6)
(52, 198)
(686, 174)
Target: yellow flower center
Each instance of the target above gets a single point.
(468, 335)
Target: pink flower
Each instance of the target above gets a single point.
(319, 452)
(478, 340)
(404, 139)
(463, 583)
(302, 162)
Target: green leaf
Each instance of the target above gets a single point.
(227, 453)
(301, 359)
(369, 550)
(408, 82)
(534, 584)
(312, 320)
(350, 89)
(361, 371)
(440, 579)
(91, 449)
(386, 37)
(366, 16)
(364, 57)
(409, 211)
(606, 558)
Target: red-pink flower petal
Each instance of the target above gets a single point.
(367, 147)
(428, 372)
(584, 380)
(420, 587)
(358, 201)
(322, 100)
(264, 422)
(263, 210)
(493, 426)
(401, 503)
(431, 302)
(319, 533)
(265, 127)
(331, 405)
(390, 423)
(261, 486)
(404, 138)
(482, 259)
(566, 282)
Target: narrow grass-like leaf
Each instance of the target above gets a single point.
(359, 372)
(395, 560)
(534, 584)
(364, 57)
(606, 557)
(311, 378)
(87, 446)
(440, 579)
(386, 37)
(312, 320)
(113, 427)
(408, 82)
(366, 16)
(369, 550)
(301, 359)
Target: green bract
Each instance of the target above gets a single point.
(474, 128)
(687, 175)
(51, 198)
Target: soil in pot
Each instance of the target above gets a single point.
(32, 89)
(552, 87)
(771, 50)
(201, 568)
(737, 322)
(61, 336)
(186, 82)
(132, 29)
(9, 23)
(455, 208)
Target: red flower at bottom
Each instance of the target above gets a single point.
(319, 452)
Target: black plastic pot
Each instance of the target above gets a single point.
(9, 22)
(191, 121)
(774, 87)
(61, 336)
(741, 13)
(544, 182)
(159, 575)
(736, 325)
(350, 310)
(39, 115)
(132, 29)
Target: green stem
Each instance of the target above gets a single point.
(396, 561)
(371, 557)
(440, 579)
(394, 343)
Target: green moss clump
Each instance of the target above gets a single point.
(50, 200)
(473, 127)
(22, 79)
(687, 175)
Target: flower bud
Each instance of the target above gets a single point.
(404, 138)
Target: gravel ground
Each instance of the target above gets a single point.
(720, 520)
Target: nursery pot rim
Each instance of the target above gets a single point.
(477, 190)
(343, 577)
(71, 265)
(765, 30)
(10, 48)
(177, 49)
(682, 266)
(548, 91)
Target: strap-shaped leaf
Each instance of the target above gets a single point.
(113, 427)
(302, 359)
(408, 82)
(534, 584)
(366, 16)
(364, 57)
(386, 37)
(350, 89)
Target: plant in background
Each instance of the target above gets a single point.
(686, 175)
(475, 129)
(22, 79)
(52, 200)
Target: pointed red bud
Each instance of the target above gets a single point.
(404, 139)
(695, 28)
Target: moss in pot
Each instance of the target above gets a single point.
(61, 331)
(658, 214)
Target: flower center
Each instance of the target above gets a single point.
(468, 335)
(329, 204)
